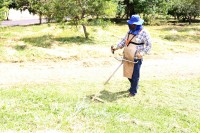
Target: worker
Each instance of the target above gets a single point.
(136, 43)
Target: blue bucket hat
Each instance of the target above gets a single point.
(135, 19)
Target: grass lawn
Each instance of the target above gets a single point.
(164, 104)
(34, 43)
(161, 106)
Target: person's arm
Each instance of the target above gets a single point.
(120, 45)
(147, 42)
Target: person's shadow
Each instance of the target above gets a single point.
(110, 96)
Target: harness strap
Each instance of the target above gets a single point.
(129, 40)
(136, 43)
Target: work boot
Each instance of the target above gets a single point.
(131, 95)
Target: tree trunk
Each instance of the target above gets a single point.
(85, 31)
(84, 27)
(190, 20)
(131, 9)
(7, 14)
(126, 3)
(178, 17)
(40, 18)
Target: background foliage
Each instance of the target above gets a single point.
(79, 9)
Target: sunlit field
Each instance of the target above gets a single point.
(76, 69)
(39, 43)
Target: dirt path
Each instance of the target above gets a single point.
(96, 69)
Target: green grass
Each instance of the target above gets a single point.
(164, 105)
(161, 106)
(28, 39)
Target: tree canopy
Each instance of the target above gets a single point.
(80, 11)
(185, 9)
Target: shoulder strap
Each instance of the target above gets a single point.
(129, 40)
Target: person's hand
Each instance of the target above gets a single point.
(139, 55)
(113, 49)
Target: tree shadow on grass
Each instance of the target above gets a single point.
(77, 39)
(183, 38)
(46, 41)
(175, 34)
(179, 28)
(111, 96)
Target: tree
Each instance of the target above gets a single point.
(149, 8)
(40, 7)
(78, 11)
(45, 8)
(22, 4)
(153, 8)
(129, 7)
(185, 9)
(37, 7)
(5, 5)
(2, 10)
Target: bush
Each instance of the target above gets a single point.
(2, 14)
(154, 20)
(99, 22)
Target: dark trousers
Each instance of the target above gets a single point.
(135, 77)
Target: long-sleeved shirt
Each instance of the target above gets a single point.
(142, 37)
